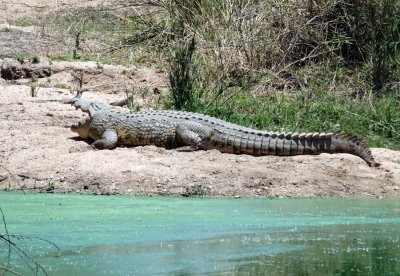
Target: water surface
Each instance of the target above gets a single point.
(119, 235)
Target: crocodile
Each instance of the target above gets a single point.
(187, 131)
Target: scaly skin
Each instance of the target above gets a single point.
(110, 127)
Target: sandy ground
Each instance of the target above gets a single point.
(38, 151)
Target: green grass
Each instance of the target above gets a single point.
(35, 59)
(61, 86)
(377, 121)
(20, 58)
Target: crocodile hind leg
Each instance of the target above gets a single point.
(108, 140)
(192, 135)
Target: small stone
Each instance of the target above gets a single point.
(396, 188)
(3, 177)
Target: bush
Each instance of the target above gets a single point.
(181, 74)
(236, 38)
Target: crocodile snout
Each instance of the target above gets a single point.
(82, 128)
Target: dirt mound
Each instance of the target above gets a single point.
(39, 152)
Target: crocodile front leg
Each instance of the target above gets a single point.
(108, 140)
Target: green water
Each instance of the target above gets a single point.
(100, 235)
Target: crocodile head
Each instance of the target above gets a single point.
(82, 128)
(95, 109)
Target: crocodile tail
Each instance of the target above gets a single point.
(285, 144)
(342, 142)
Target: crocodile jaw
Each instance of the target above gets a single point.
(82, 128)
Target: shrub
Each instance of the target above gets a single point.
(181, 74)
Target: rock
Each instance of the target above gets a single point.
(12, 70)
(3, 177)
